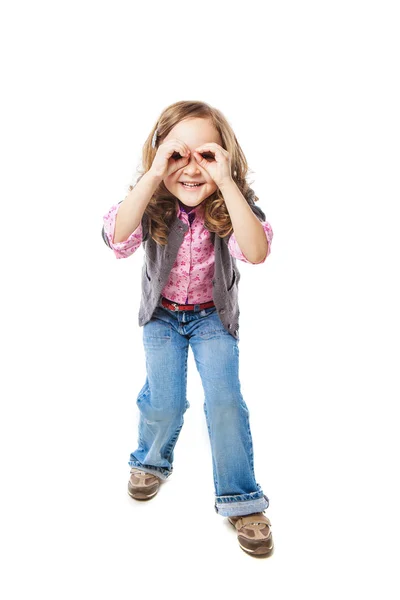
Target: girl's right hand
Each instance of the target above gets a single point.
(164, 164)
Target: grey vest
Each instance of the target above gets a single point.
(159, 260)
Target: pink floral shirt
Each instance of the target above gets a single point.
(190, 279)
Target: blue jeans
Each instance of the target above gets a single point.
(162, 403)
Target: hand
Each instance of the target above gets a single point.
(219, 167)
(171, 156)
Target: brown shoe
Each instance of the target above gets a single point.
(142, 485)
(254, 534)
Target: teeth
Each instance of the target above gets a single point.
(192, 184)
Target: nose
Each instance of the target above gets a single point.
(192, 166)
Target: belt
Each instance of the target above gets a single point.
(175, 306)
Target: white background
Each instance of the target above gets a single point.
(311, 90)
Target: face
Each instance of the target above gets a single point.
(194, 133)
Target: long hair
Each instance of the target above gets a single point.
(162, 208)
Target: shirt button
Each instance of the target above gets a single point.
(222, 311)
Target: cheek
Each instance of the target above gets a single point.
(168, 182)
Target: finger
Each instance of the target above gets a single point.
(209, 145)
(179, 154)
(178, 146)
(201, 161)
(184, 148)
(213, 151)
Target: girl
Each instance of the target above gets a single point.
(195, 214)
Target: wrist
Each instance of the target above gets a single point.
(226, 183)
(153, 177)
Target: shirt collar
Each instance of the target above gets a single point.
(184, 209)
(181, 209)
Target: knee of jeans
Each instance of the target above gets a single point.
(167, 412)
(226, 408)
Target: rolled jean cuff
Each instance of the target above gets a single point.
(241, 504)
(159, 471)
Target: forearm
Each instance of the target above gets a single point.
(249, 232)
(131, 210)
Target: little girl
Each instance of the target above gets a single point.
(195, 214)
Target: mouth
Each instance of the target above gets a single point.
(191, 186)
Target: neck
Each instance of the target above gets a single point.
(187, 208)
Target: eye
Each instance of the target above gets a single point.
(176, 156)
(207, 155)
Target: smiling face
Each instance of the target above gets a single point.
(193, 132)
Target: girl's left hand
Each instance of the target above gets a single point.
(219, 167)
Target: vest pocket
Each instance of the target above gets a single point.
(147, 275)
(233, 280)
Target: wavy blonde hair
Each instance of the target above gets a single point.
(162, 208)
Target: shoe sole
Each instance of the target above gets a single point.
(261, 552)
(137, 495)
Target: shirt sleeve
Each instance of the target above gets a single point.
(236, 252)
(127, 247)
